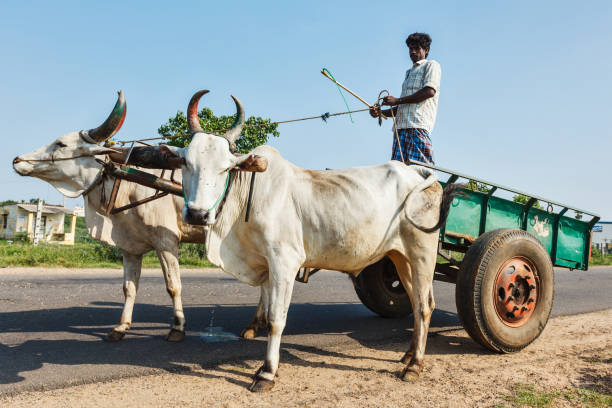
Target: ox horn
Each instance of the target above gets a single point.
(111, 125)
(236, 129)
(193, 121)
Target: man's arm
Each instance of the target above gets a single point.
(417, 97)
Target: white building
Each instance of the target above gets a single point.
(19, 220)
(602, 236)
(79, 211)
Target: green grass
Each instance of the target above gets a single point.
(597, 258)
(525, 395)
(87, 253)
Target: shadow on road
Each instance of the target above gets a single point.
(69, 338)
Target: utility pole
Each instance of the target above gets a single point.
(37, 225)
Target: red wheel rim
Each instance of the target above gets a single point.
(516, 291)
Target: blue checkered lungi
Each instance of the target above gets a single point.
(416, 145)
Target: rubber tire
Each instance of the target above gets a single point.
(474, 289)
(370, 288)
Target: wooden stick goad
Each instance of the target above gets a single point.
(345, 88)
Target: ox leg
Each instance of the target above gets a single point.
(172, 275)
(260, 319)
(280, 288)
(132, 265)
(417, 278)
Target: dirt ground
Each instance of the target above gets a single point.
(572, 357)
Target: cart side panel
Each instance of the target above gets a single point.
(540, 225)
(464, 215)
(571, 248)
(503, 214)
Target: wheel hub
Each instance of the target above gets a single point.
(391, 283)
(516, 291)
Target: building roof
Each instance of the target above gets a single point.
(47, 208)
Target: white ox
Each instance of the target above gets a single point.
(341, 220)
(69, 164)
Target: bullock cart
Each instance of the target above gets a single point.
(499, 254)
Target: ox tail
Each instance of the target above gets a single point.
(450, 192)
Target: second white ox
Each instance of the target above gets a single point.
(70, 164)
(341, 220)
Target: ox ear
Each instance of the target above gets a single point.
(172, 155)
(251, 162)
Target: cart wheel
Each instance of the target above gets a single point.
(505, 290)
(380, 290)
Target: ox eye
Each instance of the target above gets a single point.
(60, 144)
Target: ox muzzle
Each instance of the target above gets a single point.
(198, 217)
(21, 167)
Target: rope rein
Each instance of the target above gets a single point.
(322, 117)
(382, 116)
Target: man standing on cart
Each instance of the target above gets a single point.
(415, 109)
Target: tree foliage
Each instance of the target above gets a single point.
(523, 199)
(480, 187)
(255, 133)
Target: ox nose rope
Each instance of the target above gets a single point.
(218, 199)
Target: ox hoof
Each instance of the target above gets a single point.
(248, 333)
(175, 336)
(114, 336)
(410, 373)
(407, 357)
(261, 385)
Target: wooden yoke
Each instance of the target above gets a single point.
(151, 157)
(155, 157)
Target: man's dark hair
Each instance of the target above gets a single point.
(419, 39)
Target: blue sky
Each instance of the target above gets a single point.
(524, 98)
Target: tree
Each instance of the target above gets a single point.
(480, 187)
(255, 133)
(8, 202)
(523, 200)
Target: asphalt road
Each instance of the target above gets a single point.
(52, 322)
